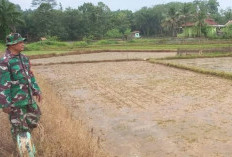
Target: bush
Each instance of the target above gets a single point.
(227, 32)
(106, 42)
(80, 44)
(52, 38)
(113, 33)
(88, 39)
(46, 44)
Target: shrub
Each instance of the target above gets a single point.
(113, 33)
(106, 42)
(227, 32)
(46, 44)
(80, 44)
(52, 38)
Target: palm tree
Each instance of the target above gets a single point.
(9, 17)
(200, 16)
(172, 21)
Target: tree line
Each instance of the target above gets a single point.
(91, 21)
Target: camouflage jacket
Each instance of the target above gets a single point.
(17, 82)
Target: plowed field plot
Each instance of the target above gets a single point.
(140, 109)
(103, 56)
(219, 64)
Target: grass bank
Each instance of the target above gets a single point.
(152, 44)
(221, 74)
(2, 47)
(59, 134)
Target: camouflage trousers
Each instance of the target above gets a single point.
(24, 119)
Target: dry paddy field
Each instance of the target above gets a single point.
(139, 109)
(219, 64)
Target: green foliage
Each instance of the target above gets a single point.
(52, 38)
(2, 46)
(210, 32)
(46, 44)
(94, 22)
(9, 17)
(106, 42)
(227, 32)
(36, 3)
(131, 41)
(114, 33)
(127, 31)
(88, 39)
(80, 44)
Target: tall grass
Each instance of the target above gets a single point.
(61, 134)
(47, 45)
(58, 135)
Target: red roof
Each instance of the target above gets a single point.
(210, 22)
(207, 21)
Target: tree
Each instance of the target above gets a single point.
(227, 14)
(200, 15)
(213, 6)
(42, 20)
(36, 3)
(9, 18)
(173, 21)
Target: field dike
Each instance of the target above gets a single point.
(222, 74)
(59, 134)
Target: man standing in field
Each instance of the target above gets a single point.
(18, 87)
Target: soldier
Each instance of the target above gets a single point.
(18, 87)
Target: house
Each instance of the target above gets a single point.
(135, 34)
(191, 30)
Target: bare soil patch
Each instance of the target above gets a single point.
(138, 109)
(102, 57)
(219, 64)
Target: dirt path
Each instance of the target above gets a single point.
(140, 109)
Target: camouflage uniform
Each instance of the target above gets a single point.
(17, 88)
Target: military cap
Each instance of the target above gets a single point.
(14, 38)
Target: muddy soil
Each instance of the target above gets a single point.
(219, 64)
(139, 109)
(103, 56)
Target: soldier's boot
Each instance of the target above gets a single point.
(25, 145)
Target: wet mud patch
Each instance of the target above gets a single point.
(140, 109)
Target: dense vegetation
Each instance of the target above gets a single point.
(90, 22)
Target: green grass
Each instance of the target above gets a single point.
(164, 44)
(47, 45)
(135, 44)
(2, 47)
(226, 75)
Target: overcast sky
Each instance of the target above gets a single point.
(133, 5)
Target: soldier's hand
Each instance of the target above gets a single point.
(39, 97)
(6, 110)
